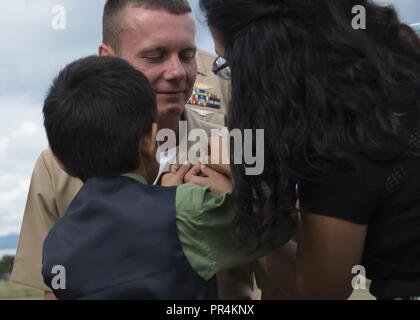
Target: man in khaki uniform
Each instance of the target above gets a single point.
(167, 59)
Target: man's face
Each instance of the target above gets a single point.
(162, 46)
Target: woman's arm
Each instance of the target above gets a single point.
(327, 250)
(49, 296)
(280, 273)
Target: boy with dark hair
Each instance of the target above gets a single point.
(95, 115)
(134, 240)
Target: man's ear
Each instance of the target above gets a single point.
(148, 144)
(106, 51)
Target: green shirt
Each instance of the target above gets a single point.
(204, 222)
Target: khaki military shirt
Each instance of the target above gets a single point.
(210, 96)
(52, 190)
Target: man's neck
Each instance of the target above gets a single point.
(173, 126)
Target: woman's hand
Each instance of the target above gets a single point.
(219, 157)
(176, 175)
(221, 168)
(205, 176)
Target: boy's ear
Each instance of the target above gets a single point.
(106, 51)
(148, 144)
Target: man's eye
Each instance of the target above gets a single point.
(155, 57)
(188, 55)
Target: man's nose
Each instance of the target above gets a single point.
(175, 70)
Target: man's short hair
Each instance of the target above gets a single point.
(112, 20)
(95, 114)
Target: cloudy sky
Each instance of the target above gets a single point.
(31, 55)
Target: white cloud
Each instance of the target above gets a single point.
(27, 128)
(36, 51)
(4, 145)
(12, 187)
(13, 193)
(21, 140)
(20, 129)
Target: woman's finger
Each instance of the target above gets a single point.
(183, 170)
(209, 172)
(201, 181)
(173, 169)
(195, 170)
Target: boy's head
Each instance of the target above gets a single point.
(100, 116)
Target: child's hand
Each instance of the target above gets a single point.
(207, 177)
(176, 176)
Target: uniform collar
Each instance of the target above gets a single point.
(135, 176)
(201, 67)
(201, 70)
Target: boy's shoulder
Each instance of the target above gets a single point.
(124, 184)
(121, 191)
(117, 201)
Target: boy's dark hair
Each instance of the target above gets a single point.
(113, 21)
(96, 111)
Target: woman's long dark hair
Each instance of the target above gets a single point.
(322, 91)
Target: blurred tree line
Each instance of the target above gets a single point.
(6, 265)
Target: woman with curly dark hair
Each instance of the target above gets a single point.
(340, 110)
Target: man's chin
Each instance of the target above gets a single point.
(174, 110)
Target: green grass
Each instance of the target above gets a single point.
(13, 291)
